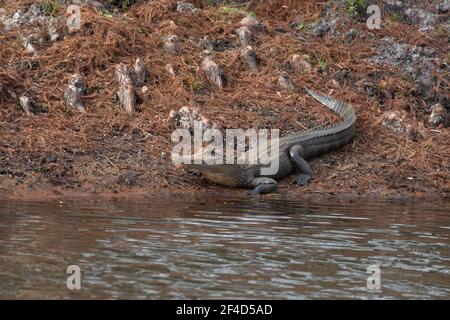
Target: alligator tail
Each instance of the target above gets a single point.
(346, 111)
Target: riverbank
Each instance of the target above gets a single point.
(396, 78)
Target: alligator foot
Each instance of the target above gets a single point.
(263, 186)
(302, 180)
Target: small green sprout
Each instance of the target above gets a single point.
(354, 5)
(49, 7)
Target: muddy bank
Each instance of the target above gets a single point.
(77, 116)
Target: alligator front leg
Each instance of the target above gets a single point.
(296, 153)
(264, 185)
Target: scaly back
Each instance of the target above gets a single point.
(345, 111)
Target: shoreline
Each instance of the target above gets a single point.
(212, 192)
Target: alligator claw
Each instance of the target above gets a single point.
(302, 180)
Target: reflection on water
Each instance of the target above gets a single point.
(224, 249)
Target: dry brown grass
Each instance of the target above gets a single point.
(96, 150)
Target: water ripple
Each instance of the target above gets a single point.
(224, 248)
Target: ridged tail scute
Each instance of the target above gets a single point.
(347, 112)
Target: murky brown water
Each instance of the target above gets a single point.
(233, 249)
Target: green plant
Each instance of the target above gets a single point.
(105, 14)
(49, 7)
(194, 84)
(299, 26)
(354, 5)
(322, 63)
(229, 10)
(394, 16)
(124, 4)
(233, 9)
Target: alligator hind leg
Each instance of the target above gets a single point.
(295, 153)
(264, 185)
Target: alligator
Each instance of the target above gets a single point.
(294, 150)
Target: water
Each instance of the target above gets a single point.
(225, 249)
